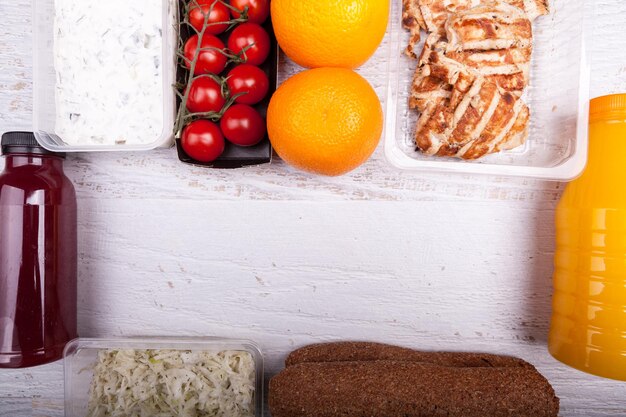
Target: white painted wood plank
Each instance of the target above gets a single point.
(10, 407)
(608, 48)
(15, 65)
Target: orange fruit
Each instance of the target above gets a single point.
(330, 33)
(326, 121)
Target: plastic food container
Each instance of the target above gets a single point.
(80, 356)
(237, 156)
(44, 82)
(558, 98)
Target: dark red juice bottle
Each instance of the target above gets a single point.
(38, 253)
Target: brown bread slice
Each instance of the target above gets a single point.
(409, 389)
(366, 351)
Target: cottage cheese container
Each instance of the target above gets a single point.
(103, 74)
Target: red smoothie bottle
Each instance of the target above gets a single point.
(38, 254)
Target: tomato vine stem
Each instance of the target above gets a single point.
(184, 116)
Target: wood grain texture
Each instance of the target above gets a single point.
(284, 258)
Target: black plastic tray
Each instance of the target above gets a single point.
(236, 156)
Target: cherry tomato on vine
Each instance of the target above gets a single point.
(254, 39)
(217, 22)
(210, 59)
(205, 95)
(203, 141)
(249, 80)
(258, 10)
(243, 125)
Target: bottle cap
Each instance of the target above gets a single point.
(608, 108)
(25, 143)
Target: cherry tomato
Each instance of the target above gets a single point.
(252, 37)
(211, 60)
(258, 10)
(250, 80)
(203, 141)
(205, 95)
(219, 13)
(243, 126)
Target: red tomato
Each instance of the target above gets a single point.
(211, 60)
(205, 95)
(243, 126)
(258, 10)
(250, 80)
(255, 38)
(203, 141)
(220, 14)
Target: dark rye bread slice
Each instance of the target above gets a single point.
(365, 351)
(409, 389)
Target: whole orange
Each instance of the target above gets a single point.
(330, 33)
(326, 121)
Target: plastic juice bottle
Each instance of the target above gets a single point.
(589, 307)
(37, 254)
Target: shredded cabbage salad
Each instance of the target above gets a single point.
(169, 383)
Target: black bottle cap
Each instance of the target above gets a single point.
(24, 143)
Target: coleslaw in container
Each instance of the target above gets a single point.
(150, 374)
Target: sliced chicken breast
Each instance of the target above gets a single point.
(491, 26)
(471, 74)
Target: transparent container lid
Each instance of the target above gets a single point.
(558, 98)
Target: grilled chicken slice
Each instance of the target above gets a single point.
(518, 134)
(486, 120)
(413, 21)
(496, 61)
(509, 68)
(433, 127)
(471, 74)
(475, 116)
(435, 62)
(533, 8)
(499, 130)
(426, 90)
(435, 13)
(431, 15)
(489, 27)
(429, 86)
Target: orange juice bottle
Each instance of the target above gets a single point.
(588, 329)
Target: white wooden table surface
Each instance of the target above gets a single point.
(284, 258)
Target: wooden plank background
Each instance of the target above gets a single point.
(429, 261)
